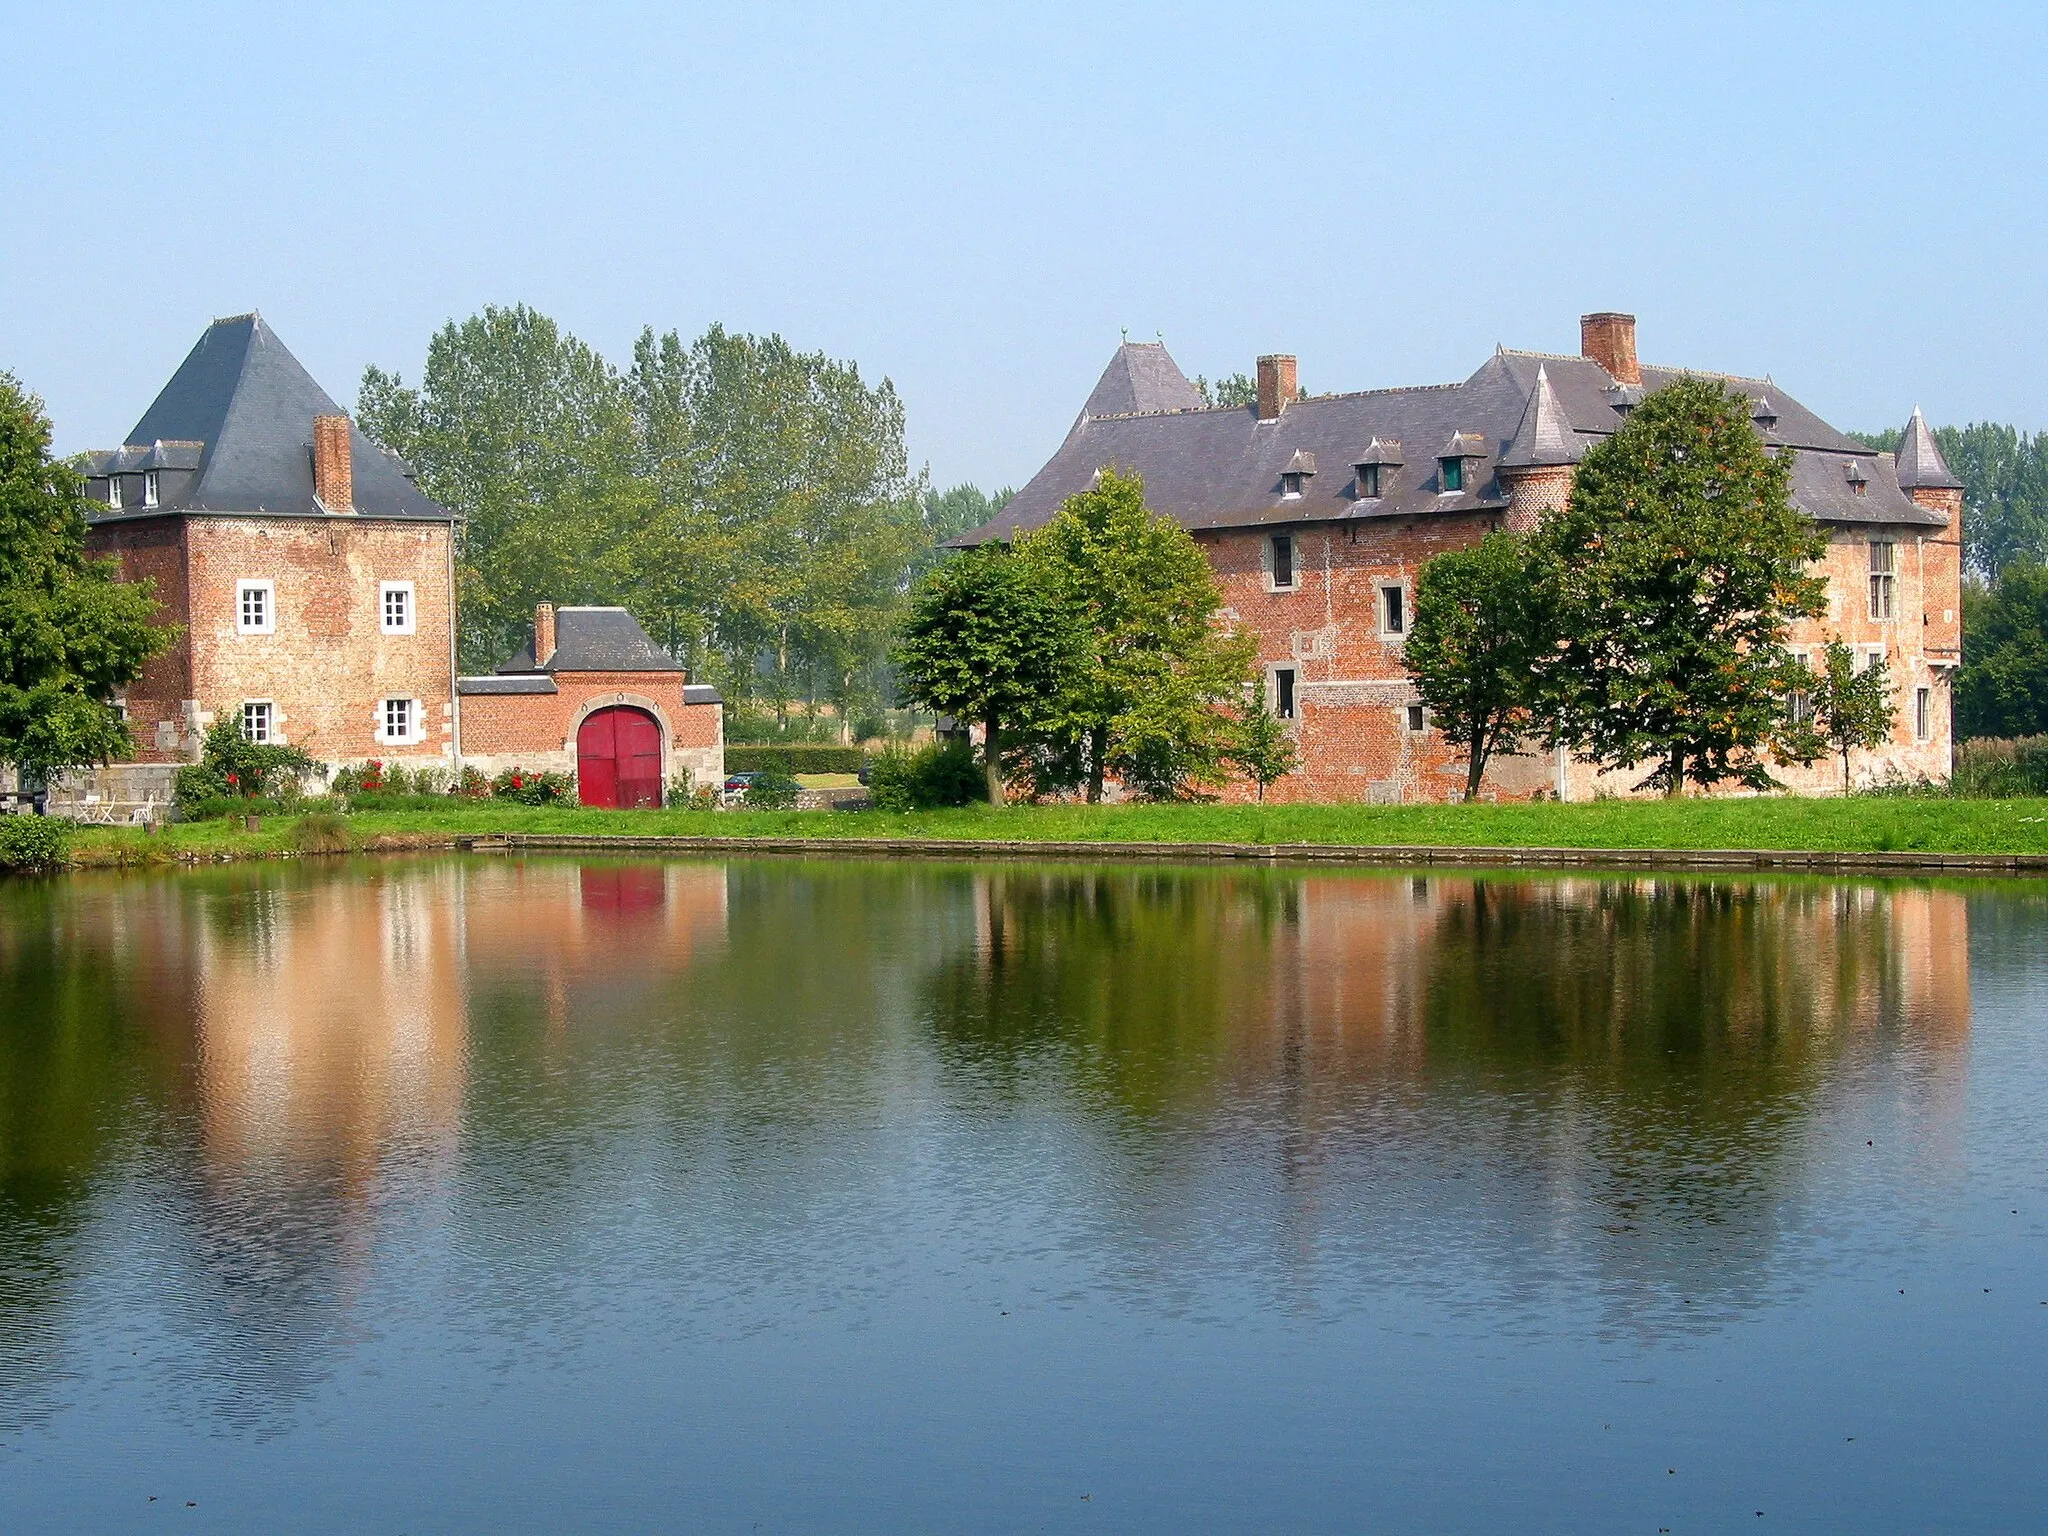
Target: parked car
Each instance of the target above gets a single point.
(736, 783)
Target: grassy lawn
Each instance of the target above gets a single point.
(1856, 825)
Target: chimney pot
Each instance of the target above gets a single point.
(333, 473)
(1609, 339)
(1276, 385)
(543, 634)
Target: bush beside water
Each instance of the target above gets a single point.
(31, 844)
(928, 779)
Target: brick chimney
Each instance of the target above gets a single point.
(1276, 385)
(333, 475)
(1609, 339)
(543, 634)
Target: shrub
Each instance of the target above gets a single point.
(360, 778)
(793, 760)
(31, 844)
(322, 832)
(231, 767)
(705, 799)
(525, 786)
(772, 791)
(473, 785)
(872, 725)
(929, 778)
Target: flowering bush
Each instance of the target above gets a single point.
(361, 779)
(473, 785)
(232, 767)
(526, 786)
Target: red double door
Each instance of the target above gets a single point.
(618, 760)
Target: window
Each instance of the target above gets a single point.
(1369, 481)
(1881, 579)
(395, 607)
(1799, 704)
(1418, 719)
(1453, 474)
(1283, 562)
(1393, 611)
(149, 489)
(398, 719)
(257, 721)
(1283, 692)
(1923, 713)
(114, 492)
(255, 608)
(1290, 484)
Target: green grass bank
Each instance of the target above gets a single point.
(1874, 825)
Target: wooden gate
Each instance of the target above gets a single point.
(618, 760)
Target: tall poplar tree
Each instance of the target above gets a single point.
(1675, 572)
(71, 632)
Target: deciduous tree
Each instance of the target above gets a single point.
(71, 632)
(1674, 573)
(1480, 631)
(1838, 708)
(1262, 747)
(2003, 687)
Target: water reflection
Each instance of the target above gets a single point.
(250, 1099)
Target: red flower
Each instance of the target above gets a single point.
(234, 778)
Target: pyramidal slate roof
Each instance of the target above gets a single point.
(595, 640)
(1222, 467)
(232, 433)
(1545, 436)
(1921, 465)
(1141, 377)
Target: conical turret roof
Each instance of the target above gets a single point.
(1545, 436)
(1921, 466)
(1141, 377)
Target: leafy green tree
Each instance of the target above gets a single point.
(950, 513)
(1674, 574)
(1261, 747)
(529, 435)
(1479, 635)
(2002, 689)
(1153, 704)
(989, 640)
(1239, 389)
(71, 632)
(1838, 708)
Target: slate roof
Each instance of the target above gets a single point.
(1921, 465)
(1221, 467)
(535, 682)
(595, 640)
(239, 411)
(1141, 377)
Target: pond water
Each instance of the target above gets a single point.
(494, 1194)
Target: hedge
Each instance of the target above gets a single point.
(803, 758)
(32, 843)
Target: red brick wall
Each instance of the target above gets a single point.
(155, 550)
(537, 730)
(328, 666)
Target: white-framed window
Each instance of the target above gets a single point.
(1870, 656)
(1418, 719)
(1923, 714)
(396, 613)
(400, 718)
(114, 492)
(256, 607)
(1283, 692)
(1799, 704)
(1286, 576)
(259, 721)
(1393, 609)
(149, 488)
(1882, 578)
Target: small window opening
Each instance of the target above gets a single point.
(1283, 560)
(1923, 713)
(253, 611)
(256, 723)
(1418, 719)
(1393, 610)
(1881, 580)
(398, 719)
(1290, 484)
(1369, 481)
(1283, 692)
(114, 492)
(1453, 474)
(397, 608)
(149, 489)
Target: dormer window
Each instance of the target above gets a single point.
(1452, 474)
(1377, 468)
(1859, 482)
(1451, 460)
(1765, 415)
(1624, 398)
(1296, 475)
(114, 493)
(149, 489)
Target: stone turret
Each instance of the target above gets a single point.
(1924, 474)
(1537, 468)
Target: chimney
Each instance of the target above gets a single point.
(1276, 385)
(543, 634)
(1610, 340)
(333, 476)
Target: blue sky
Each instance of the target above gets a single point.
(974, 201)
